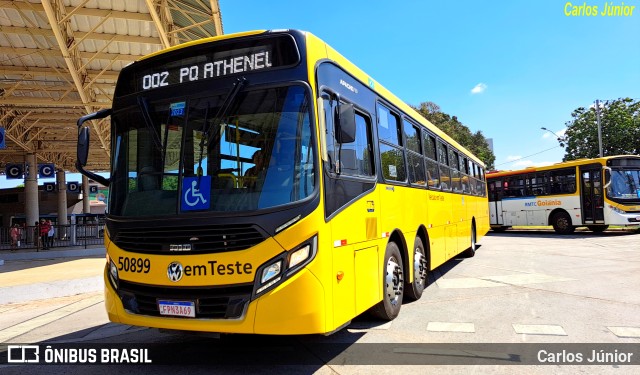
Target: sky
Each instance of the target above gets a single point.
(506, 68)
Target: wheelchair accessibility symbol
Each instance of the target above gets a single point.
(196, 193)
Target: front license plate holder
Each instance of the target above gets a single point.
(185, 309)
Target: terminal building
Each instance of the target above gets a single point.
(60, 61)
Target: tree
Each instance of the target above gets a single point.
(474, 142)
(620, 122)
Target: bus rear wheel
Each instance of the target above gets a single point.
(471, 251)
(597, 228)
(414, 290)
(562, 223)
(392, 285)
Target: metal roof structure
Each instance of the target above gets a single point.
(59, 60)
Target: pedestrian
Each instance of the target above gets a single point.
(15, 237)
(44, 234)
(50, 234)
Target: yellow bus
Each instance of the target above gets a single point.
(262, 183)
(592, 193)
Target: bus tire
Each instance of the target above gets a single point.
(413, 291)
(499, 229)
(471, 251)
(392, 285)
(562, 223)
(597, 228)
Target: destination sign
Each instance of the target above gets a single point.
(212, 66)
(208, 60)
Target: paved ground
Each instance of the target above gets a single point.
(30, 275)
(521, 287)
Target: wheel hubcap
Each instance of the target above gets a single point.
(419, 266)
(562, 223)
(393, 280)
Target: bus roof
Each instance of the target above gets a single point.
(565, 164)
(365, 79)
(345, 63)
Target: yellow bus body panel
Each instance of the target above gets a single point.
(346, 276)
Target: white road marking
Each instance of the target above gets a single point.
(451, 327)
(626, 332)
(539, 329)
(358, 326)
(39, 321)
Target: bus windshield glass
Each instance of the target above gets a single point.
(173, 156)
(625, 184)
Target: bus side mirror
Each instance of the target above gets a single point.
(346, 123)
(607, 176)
(83, 146)
(82, 150)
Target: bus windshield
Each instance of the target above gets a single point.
(174, 156)
(625, 184)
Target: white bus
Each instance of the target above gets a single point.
(592, 193)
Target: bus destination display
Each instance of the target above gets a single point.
(214, 68)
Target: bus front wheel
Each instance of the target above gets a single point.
(562, 223)
(414, 290)
(392, 285)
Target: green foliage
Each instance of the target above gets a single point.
(474, 142)
(620, 122)
(392, 160)
(169, 183)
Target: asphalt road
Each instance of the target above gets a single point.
(524, 292)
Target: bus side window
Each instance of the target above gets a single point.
(355, 158)
(445, 170)
(433, 174)
(391, 145)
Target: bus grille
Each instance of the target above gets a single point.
(199, 239)
(223, 302)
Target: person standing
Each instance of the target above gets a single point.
(15, 237)
(44, 234)
(50, 234)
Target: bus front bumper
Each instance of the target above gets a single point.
(295, 307)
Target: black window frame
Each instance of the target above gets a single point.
(389, 146)
(414, 155)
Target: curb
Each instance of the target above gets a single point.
(48, 254)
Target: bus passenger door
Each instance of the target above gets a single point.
(495, 203)
(591, 195)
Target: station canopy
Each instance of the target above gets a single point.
(59, 60)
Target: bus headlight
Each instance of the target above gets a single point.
(113, 274)
(285, 265)
(616, 210)
(299, 256)
(271, 271)
(270, 276)
(302, 255)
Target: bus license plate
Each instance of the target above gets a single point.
(177, 308)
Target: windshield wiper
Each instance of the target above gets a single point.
(207, 135)
(144, 106)
(222, 111)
